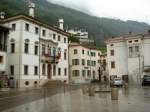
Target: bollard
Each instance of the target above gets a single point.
(114, 93)
(126, 85)
(91, 90)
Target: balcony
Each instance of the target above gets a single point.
(49, 59)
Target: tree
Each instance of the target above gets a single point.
(72, 38)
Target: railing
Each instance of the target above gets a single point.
(47, 58)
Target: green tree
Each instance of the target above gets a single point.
(72, 38)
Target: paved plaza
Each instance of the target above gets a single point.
(132, 100)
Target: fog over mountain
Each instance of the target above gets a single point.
(137, 10)
(79, 5)
(99, 28)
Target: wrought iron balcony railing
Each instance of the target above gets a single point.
(51, 59)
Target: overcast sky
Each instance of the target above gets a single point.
(138, 10)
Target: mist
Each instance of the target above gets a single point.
(137, 10)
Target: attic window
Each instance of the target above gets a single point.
(130, 41)
(111, 44)
(136, 40)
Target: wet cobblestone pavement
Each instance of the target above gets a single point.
(132, 100)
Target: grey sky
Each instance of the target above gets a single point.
(138, 10)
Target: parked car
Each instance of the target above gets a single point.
(116, 82)
(146, 80)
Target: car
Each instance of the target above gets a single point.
(146, 80)
(117, 82)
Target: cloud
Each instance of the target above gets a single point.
(122, 9)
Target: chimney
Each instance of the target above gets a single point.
(2, 15)
(148, 31)
(61, 24)
(130, 33)
(31, 9)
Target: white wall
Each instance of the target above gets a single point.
(120, 59)
(19, 58)
(80, 67)
(4, 63)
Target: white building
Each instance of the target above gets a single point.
(36, 51)
(128, 56)
(82, 35)
(3, 50)
(84, 63)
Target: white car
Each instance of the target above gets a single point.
(117, 82)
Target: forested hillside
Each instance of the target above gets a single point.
(98, 28)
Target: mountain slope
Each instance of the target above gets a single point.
(98, 28)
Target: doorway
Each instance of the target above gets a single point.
(49, 71)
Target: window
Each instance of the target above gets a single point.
(43, 69)
(44, 33)
(136, 40)
(65, 55)
(64, 40)
(130, 41)
(1, 59)
(83, 73)
(36, 50)
(75, 62)
(111, 44)
(54, 36)
(13, 27)
(65, 71)
(130, 49)
(93, 63)
(88, 62)
(26, 48)
(27, 27)
(59, 71)
(36, 30)
(82, 51)
(112, 53)
(112, 64)
(12, 48)
(36, 70)
(12, 70)
(58, 37)
(75, 73)
(93, 54)
(75, 51)
(136, 48)
(25, 70)
(89, 73)
(83, 61)
(27, 83)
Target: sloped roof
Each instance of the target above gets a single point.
(35, 21)
(82, 45)
(4, 28)
(126, 37)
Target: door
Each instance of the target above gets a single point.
(49, 71)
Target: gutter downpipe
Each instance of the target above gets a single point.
(39, 54)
